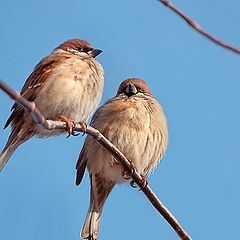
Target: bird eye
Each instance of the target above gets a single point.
(84, 49)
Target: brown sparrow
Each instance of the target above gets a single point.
(135, 123)
(66, 85)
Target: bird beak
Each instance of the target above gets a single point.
(130, 89)
(94, 52)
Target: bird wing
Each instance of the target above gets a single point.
(81, 163)
(32, 85)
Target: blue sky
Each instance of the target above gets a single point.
(196, 81)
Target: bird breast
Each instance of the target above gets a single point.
(73, 89)
(137, 128)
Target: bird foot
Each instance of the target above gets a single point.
(143, 183)
(133, 184)
(70, 124)
(83, 127)
(127, 175)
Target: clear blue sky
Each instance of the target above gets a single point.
(198, 85)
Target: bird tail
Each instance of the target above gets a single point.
(91, 225)
(100, 190)
(15, 139)
(5, 155)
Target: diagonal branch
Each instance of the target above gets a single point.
(195, 26)
(48, 124)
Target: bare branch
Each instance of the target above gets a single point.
(197, 27)
(119, 156)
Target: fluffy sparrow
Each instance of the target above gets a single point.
(66, 85)
(135, 123)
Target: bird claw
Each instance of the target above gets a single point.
(133, 169)
(127, 175)
(143, 183)
(133, 184)
(70, 124)
(83, 127)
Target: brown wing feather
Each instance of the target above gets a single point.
(80, 172)
(34, 81)
(82, 162)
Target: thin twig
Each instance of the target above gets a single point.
(197, 27)
(49, 124)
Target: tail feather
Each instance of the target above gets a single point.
(91, 225)
(15, 139)
(6, 154)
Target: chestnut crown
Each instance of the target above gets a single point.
(79, 46)
(133, 86)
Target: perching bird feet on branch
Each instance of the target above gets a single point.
(127, 175)
(70, 124)
(143, 184)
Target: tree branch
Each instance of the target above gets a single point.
(49, 124)
(197, 27)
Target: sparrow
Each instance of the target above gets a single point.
(135, 123)
(66, 85)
